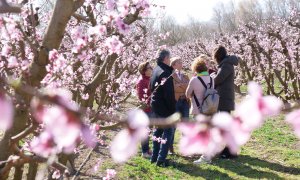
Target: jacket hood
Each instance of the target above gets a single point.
(230, 60)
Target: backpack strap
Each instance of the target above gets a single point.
(196, 100)
(211, 82)
(203, 83)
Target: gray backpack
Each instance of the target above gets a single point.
(210, 101)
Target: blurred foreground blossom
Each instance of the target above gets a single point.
(6, 112)
(125, 144)
(200, 139)
(256, 107)
(209, 136)
(62, 125)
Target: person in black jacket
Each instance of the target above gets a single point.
(162, 104)
(224, 82)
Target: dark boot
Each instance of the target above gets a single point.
(226, 154)
(164, 163)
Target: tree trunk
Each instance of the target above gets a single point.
(32, 171)
(18, 172)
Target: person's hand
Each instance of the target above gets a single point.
(213, 75)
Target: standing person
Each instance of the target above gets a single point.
(224, 81)
(181, 82)
(143, 91)
(163, 105)
(196, 89)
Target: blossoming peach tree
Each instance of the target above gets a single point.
(63, 73)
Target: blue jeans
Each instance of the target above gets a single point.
(160, 151)
(145, 143)
(183, 107)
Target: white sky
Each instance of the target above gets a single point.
(183, 9)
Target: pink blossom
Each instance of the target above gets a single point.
(249, 113)
(89, 136)
(85, 96)
(122, 27)
(12, 62)
(110, 4)
(63, 98)
(98, 30)
(163, 81)
(6, 50)
(53, 55)
(137, 119)
(159, 139)
(6, 112)
(114, 45)
(125, 144)
(95, 127)
(110, 173)
(294, 119)
(141, 3)
(108, 18)
(43, 145)
(198, 138)
(124, 7)
(64, 127)
(81, 42)
(61, 122)
(56, 174)
(96, 167)
(234, 134)
(163, 141)
(255, 108)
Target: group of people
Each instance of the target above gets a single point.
(166, 89)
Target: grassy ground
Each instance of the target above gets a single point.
(272, 153)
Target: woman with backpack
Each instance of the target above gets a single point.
(196, 90)
(224, 82)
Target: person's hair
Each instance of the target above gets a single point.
(162, 55)
(174, 60)
(219, 54)
(143, 67)
(199, 64)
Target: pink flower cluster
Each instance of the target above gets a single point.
(110, 173)
(210, 137)
(125, 144)
(62, 123)
(114, 45)
(6, 112)
(160, 140)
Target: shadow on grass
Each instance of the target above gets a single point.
(270, 165)
(244, 166)
(196, 171)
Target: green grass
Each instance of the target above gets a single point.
(277, 87)
(272, 153)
